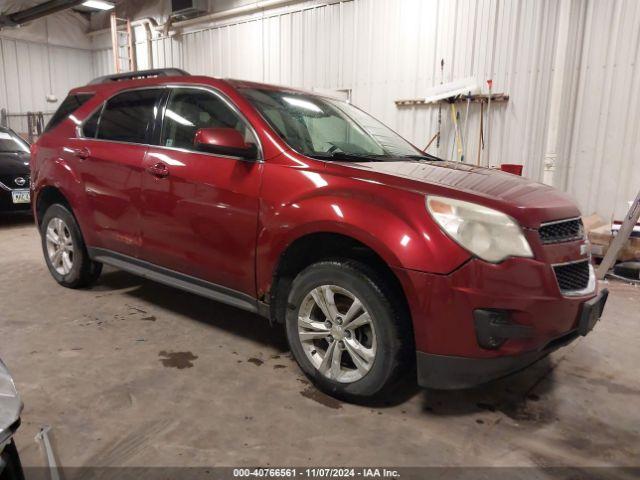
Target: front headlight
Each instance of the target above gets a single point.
(10, 403)
(487, 233)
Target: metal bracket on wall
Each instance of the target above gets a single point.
(496, 97)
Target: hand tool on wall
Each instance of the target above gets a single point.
(440, 107)
(460, 137)
(480, 133)
(457, 140)
(488, 142)
(466, 127)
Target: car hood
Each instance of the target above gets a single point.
(14, 163)
(531, 203)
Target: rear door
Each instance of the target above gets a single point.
(200, 210)
(111, 155)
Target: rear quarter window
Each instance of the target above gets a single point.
(68, 106)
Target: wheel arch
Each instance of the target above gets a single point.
(47, 196)
(324, 245)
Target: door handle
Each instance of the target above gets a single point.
(82, 153)
(159, 170)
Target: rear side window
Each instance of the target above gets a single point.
(68, 106)
(129, 116)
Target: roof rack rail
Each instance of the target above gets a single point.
(156, 72)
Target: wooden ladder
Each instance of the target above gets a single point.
(119, 30)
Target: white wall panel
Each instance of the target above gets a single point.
(383, 50)
(603, 134)
(30, 71)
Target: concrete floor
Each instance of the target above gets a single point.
(135, 373)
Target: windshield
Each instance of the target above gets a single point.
(10, 142)
(326, 128)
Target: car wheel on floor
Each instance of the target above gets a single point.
(347, 330)
(64, 250)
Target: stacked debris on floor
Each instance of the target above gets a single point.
(602, 233)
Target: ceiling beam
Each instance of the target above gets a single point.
(37, 11)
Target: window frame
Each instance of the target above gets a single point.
(80, 127)
(159, 120)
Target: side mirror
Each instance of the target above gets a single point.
(224, 141)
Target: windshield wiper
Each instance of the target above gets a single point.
(425, 156)
(372, 157)
(358, 157)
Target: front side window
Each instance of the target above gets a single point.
(325, 128)
(129, 116)
(189, 110)
(12, 143)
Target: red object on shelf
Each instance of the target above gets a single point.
(511, 168)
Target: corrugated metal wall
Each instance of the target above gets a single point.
(601, 131)
(30, 71)
(388, 50)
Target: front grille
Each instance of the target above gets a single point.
(10, 181)
(562, 231)
(572, 276)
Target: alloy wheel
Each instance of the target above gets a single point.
(337, 333)
(60, 248)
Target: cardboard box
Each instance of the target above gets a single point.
(601, 238)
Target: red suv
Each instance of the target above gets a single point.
(302, 208)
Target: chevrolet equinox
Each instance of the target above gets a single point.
(380, 260)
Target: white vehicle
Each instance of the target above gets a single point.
(10, 409)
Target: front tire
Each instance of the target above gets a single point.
(347, 330)
(64, 250)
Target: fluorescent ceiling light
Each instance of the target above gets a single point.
(178, 118)
(301, 103)
(98, 4)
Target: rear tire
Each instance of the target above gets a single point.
(64, 249)
(361, 353)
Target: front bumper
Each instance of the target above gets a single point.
(445, 372)
(449, 338)
(7, 205)
(453, 372)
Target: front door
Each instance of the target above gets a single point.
(200, 210)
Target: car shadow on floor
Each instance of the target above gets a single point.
(523, 396)
(515, 396)
(204, 310)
